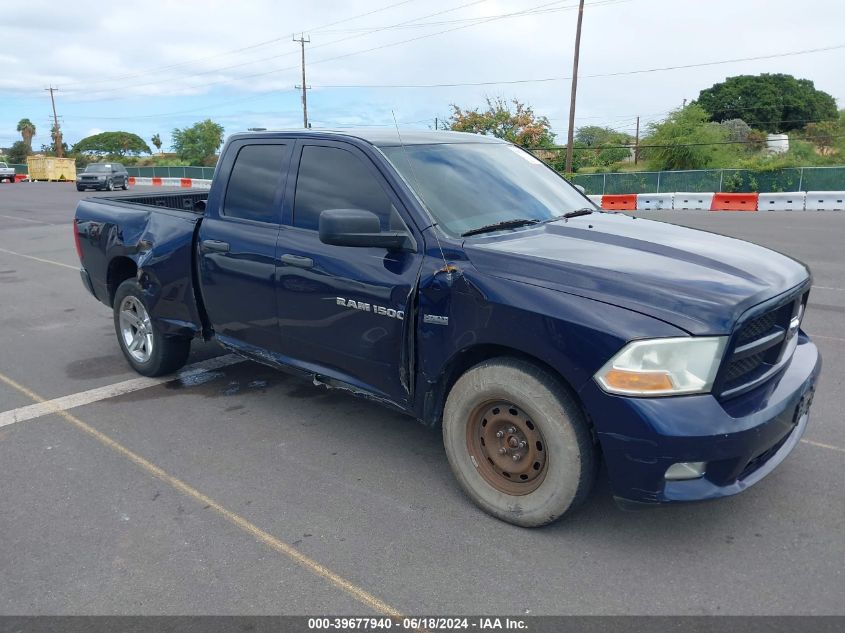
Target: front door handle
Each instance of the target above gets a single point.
(214, 246)
(297, 260)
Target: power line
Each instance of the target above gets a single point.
(482, 20)
(236, 50)
(593, 76)
(287, 54)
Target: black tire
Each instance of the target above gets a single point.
(540, 401)
(125, 186)
(80, 188)
(168, 353)
(110, 185)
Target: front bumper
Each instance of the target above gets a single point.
(742, 439)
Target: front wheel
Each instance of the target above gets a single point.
(518, 442)
(110, 186)
(148, 351)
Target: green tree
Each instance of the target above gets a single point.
(738, 130)
(55, 140)
(156, 140)
(596, 136)
(27, 130)
(686, 140)
(199, 143)
(774, 103)
(17, 153)
(518, 124)
(825, 135)
(112, 143)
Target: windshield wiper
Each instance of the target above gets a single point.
(571, 214)
(577, 213)
(504, 224)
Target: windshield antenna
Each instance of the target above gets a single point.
(447, 268)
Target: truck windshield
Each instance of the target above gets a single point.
(466, 186)
(97, 168)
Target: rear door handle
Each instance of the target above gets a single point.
(297, 260)
(214, 246)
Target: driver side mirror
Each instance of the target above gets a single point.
(356, 227)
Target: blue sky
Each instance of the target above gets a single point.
(152, 66)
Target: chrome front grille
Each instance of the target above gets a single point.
(761, 345)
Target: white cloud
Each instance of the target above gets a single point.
(162, 56)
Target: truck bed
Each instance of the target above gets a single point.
(151, 236)
(192, 200)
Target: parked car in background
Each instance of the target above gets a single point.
(7, 173)
(103, 176)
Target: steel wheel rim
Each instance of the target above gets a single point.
(136, 330)
(507, 447)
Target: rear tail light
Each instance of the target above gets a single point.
(76, 241)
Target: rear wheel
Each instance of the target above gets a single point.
(518, 443)
(148, 351)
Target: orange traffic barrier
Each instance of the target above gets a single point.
(619, 202)
(156, 182)
(131, 180)
(185, 182)
(20, 177)
(734, 202)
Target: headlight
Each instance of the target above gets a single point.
(663, 366)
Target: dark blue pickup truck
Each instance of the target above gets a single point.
(459, 280)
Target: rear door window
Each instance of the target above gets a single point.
(254, 182)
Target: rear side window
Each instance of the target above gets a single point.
(333, 178)
(253, 183)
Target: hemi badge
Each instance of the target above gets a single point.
(435, 319)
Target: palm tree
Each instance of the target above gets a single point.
(156, 139)
(27, 130)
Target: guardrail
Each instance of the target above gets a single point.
(710, 201)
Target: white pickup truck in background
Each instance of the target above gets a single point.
(7, 173)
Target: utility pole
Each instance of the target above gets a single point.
(637, 143)
(302, 42)
(58, 136)
(571, 135)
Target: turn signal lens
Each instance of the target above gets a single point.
(624, 380)
(663, 366)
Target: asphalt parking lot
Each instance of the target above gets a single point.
(241, 490)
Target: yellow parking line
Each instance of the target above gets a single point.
(268, 539)
(39, 259)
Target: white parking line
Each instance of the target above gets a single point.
(39, 259)
(64, 403)
(828, 338)
(15, 217)
(828, 446)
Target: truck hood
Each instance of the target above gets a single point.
(695, 280)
